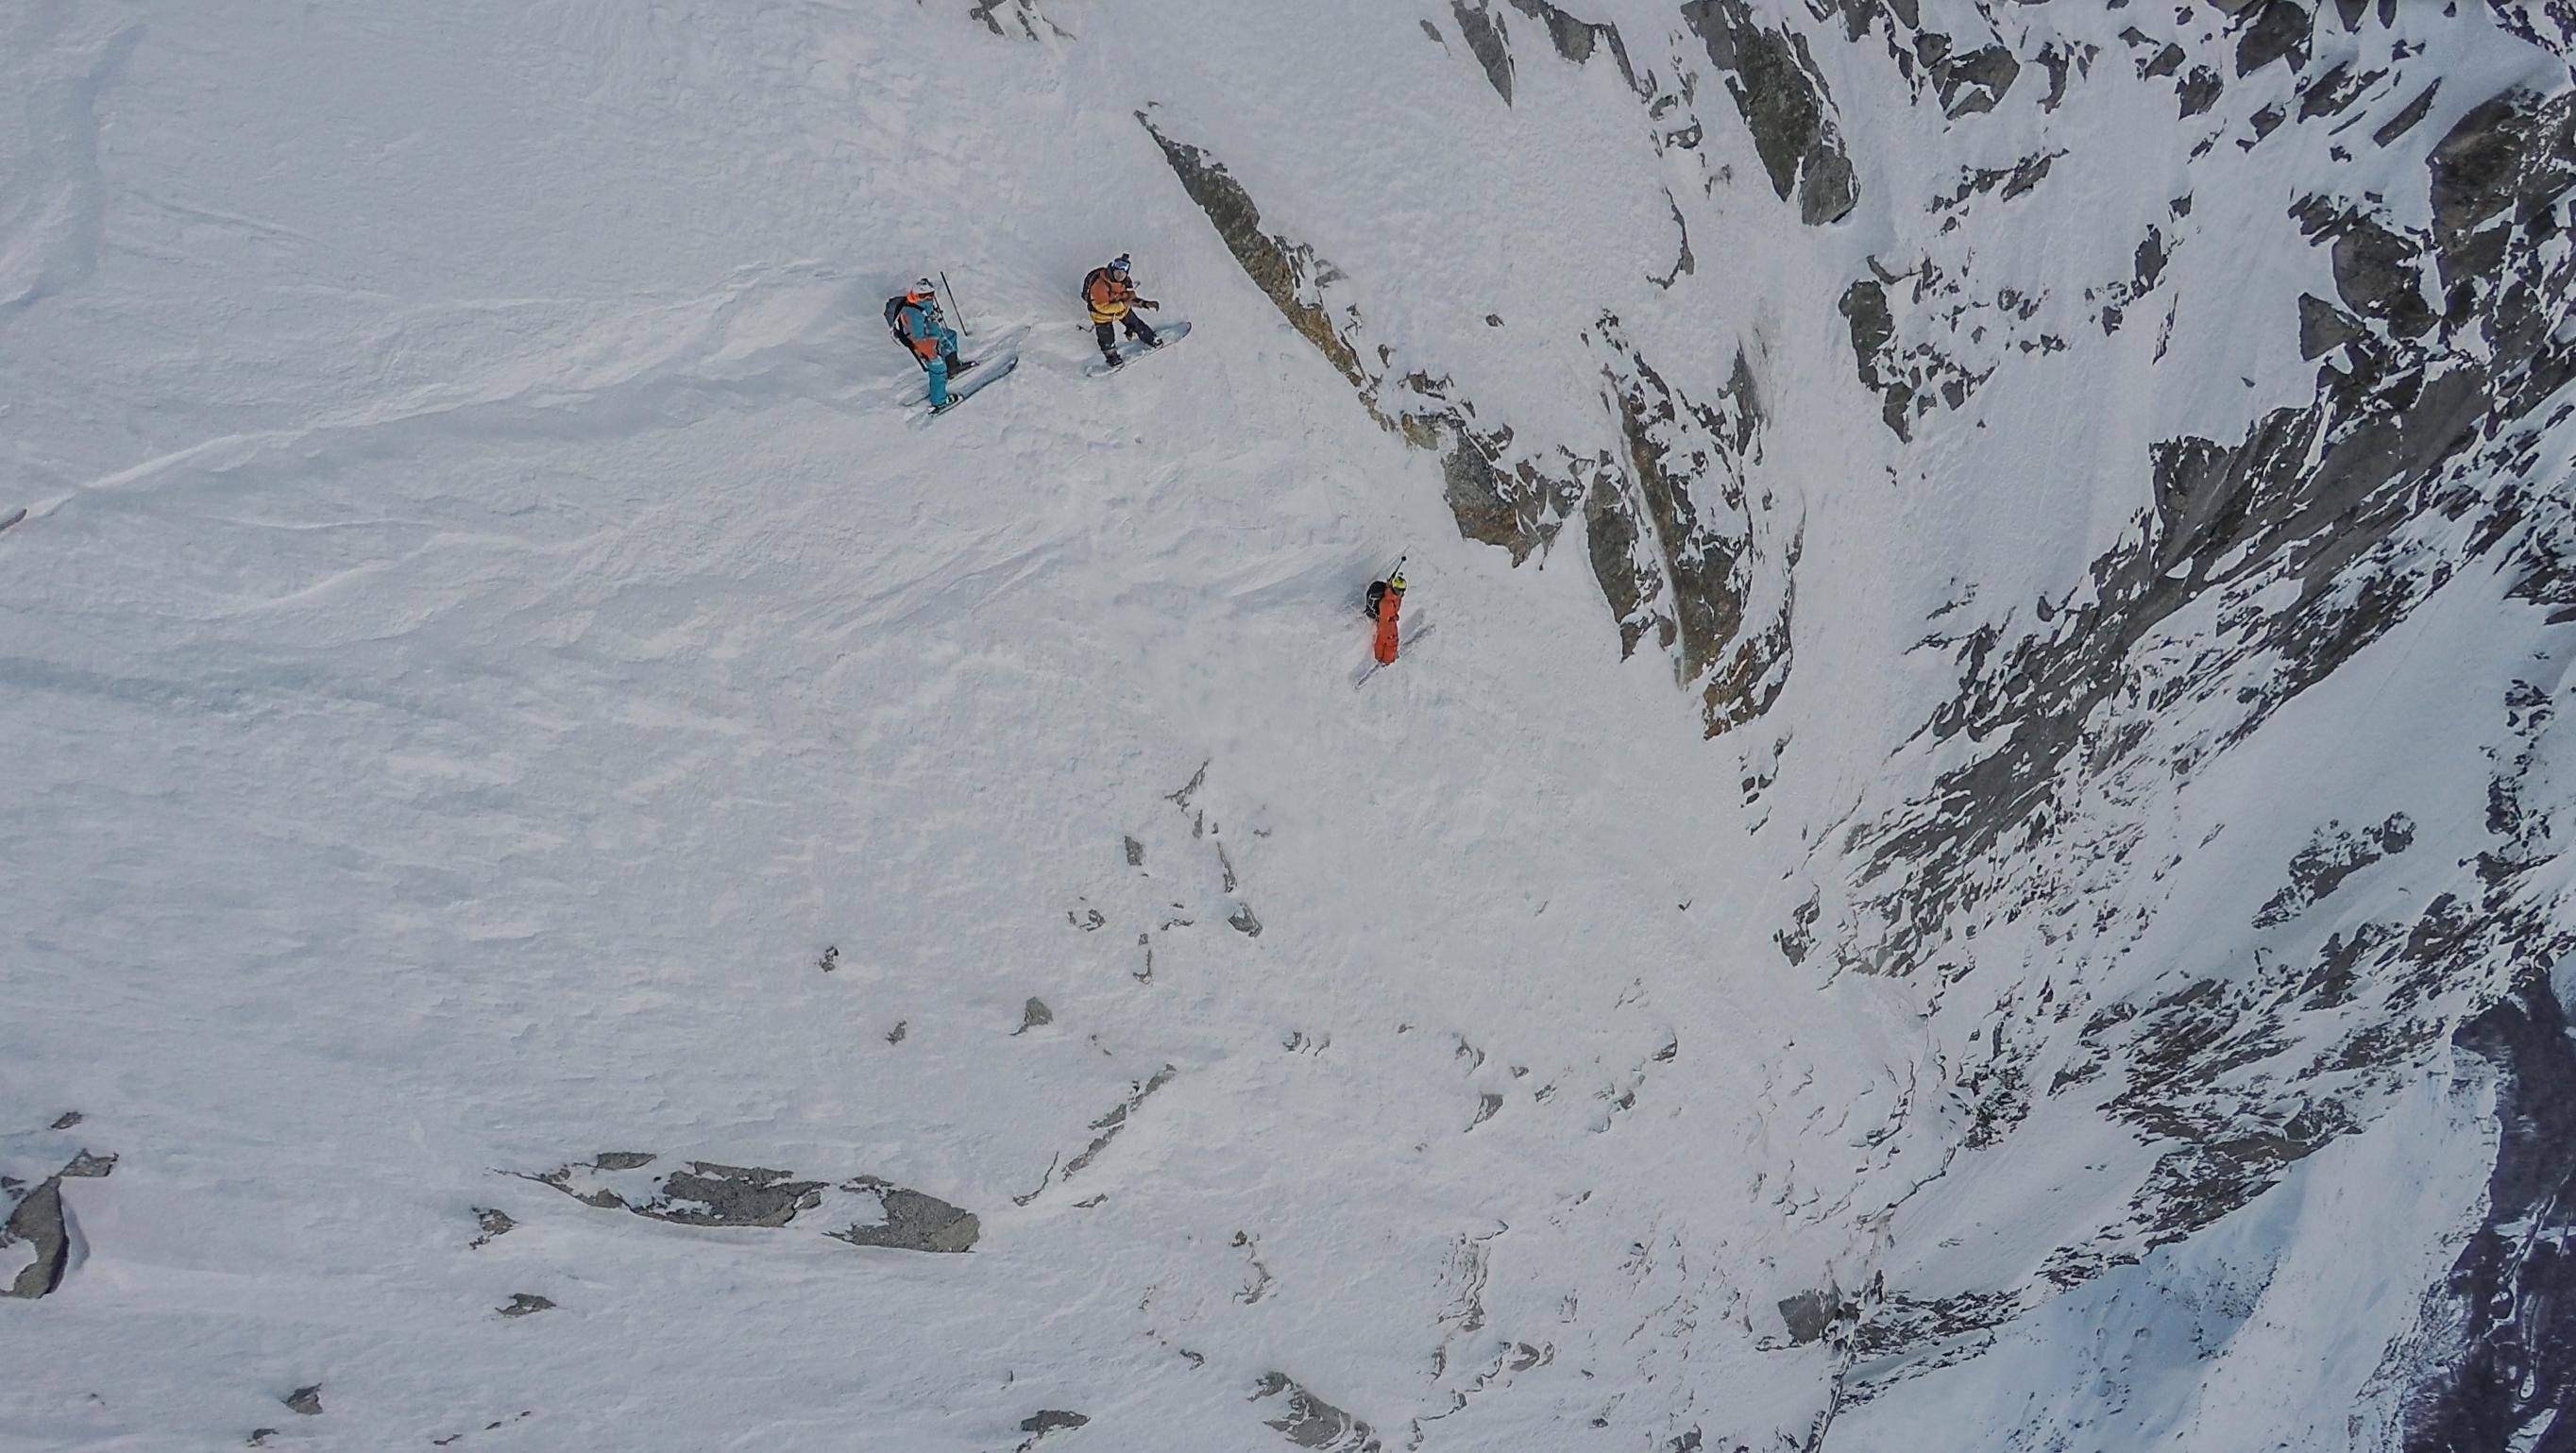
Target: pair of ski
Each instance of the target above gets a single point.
(996, 363)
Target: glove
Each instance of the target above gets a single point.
(1148, 304)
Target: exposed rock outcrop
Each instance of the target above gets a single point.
(36, 1239)
(1785, 105)
(1310, 1422)
(703, 1193)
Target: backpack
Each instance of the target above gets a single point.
(894, 315)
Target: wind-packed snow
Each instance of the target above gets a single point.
(507, 712)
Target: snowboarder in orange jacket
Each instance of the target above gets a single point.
(1385, 603)
(1110, 293)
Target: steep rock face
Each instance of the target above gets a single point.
(1675, 535)
(2259, 560)
(2492, 1371)
(1487, 32)
(2258, 571)
(1783, 99)
(1691, 554)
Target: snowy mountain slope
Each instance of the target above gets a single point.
(538, 782)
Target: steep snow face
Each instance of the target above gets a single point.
(1977, 859)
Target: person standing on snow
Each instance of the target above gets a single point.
(914, 317)
(1385, 603)
(1110, 293)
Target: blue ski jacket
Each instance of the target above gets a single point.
(920, 328)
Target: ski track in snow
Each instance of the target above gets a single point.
(483, 631)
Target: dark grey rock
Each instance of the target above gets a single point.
(2265, 122)
(1135, 852)
(1106, 1128)
(1310, 1422)
(1686, 264)
(1486, 502)
(1975, 82)
(707, 1194)
(39, 1220)
(2334, 92)
(2509, 1302)
(1022, 13)
(2199, 91)
(1808, 1314)
(2404, 121)
(67, 1120)
(1674, 549)
(1033, 1014)
(1873, 330)
(704, 1194)
(2517, 150)
(1285, 272)
(494, 1225)
(1048, 1420)
(2323, 327)
(526, 1304)
(1484, 37)
(2329, 858)
(2280, 29)
(914, 1222)
(1243, 921)
(2548, 24)
(1579, 40)
(2375, 272)
(306, 1400)
(1620, 565)
(2150, 261)
(1782, 96)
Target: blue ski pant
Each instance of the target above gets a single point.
(937, 368)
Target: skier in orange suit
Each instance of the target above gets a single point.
(1385, 603)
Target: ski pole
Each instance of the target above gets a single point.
(952, 302)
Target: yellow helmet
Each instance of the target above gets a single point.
(1396, 583)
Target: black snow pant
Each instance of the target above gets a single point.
(1108, 334)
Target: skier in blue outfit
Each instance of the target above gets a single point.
(914, 317)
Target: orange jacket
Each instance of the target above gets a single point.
(1389, 606)
(1107, 297)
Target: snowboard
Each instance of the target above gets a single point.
(1129, 350)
